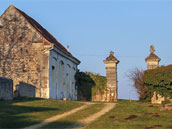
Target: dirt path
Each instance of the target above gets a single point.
(84, 122)
(57, 117)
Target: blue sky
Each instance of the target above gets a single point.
(92, 28)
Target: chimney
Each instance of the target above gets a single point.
(68, 48)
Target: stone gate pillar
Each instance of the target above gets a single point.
(152, 60)
(152, 63)
(111, 76)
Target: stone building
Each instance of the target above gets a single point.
(111, 76)
(152, 63)
(30, 54)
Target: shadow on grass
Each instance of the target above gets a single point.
(18, 116)
(63, 125)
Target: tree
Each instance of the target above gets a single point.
(84, 85)
(136, 76)
(159, 80)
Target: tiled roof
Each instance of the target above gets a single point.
(44, 33)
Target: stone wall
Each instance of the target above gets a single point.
(25, 90)
(100, 97)
(6, 89)
(20, 49)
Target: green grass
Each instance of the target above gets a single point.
(26, 112)
(71, 120)
(146, 117)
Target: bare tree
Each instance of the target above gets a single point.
(136, 76)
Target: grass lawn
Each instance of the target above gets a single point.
(134, 115)
(26, 112)
(69, 121)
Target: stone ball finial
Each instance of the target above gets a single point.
(152, 49)
(112, 53)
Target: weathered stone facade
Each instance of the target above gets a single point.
(25, 51)
(152, 63)
(111, 76)
(20, 59)
(6, 89)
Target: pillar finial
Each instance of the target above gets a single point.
(112, 53)
(152, 49)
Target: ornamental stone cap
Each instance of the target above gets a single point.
(152, 56)
(111, 58)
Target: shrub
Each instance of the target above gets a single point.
(159, 80)
(88, 84)
(84, 85)
(100, 83)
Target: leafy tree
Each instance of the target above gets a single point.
(159, 80)
(84, 85)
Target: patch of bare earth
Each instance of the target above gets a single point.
(131, 117)
(157, 126)
(149, 127)
(111, 116)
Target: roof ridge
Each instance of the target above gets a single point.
(37, 29)
(42, 31)
(11, 6)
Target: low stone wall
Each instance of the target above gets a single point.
(25, 90)
(100, 97)
(6, 89)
